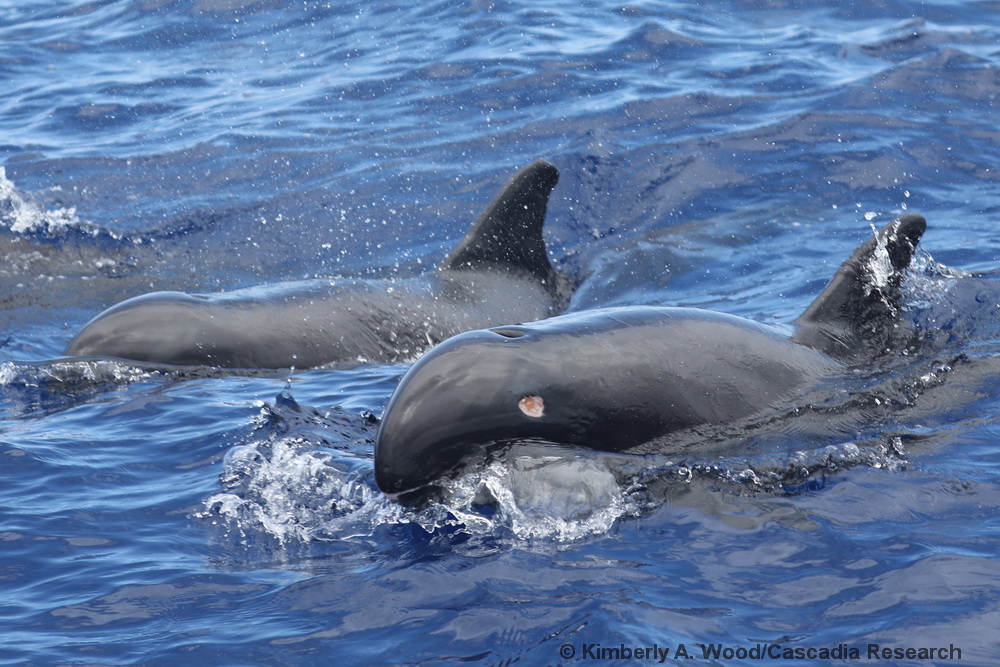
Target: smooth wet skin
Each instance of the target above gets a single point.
(309, 323)
(497, 273)
(620, 378)
(607, 379)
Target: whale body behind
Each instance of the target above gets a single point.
(499, 272)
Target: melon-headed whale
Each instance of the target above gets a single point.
(644, 379)
(499, 272)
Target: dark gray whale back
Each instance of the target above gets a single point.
(499, 272)
(638, 379)
(610, 379)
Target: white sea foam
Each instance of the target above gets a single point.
(22, 215)
(294, 491)
(297, 479)
(555, 497)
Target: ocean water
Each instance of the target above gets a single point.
(725, 155)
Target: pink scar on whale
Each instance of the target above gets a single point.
(533, 406)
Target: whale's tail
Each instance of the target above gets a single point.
(857, 314)
(507, 236)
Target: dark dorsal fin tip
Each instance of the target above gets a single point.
(900, 238)
(508, 233)
(859, 306)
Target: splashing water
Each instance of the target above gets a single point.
(306, 475)
(537, 495)
(287, 487)
(23, 216)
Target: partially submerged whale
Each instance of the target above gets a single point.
(645, 379)
(499, 272)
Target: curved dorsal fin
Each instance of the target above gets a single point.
(508, 233)
(857, 313)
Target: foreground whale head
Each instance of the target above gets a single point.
(621, 378)
(606, 380)
(469, 392)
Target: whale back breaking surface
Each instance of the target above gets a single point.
(309, 323)
(654, 380)
(499, 272)
(609, 380)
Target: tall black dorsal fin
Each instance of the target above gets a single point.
(508, 233)
(857, 313)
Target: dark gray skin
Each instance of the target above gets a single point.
(499, 272)
(636, 379)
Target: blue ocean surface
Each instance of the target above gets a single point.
(726, 155)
